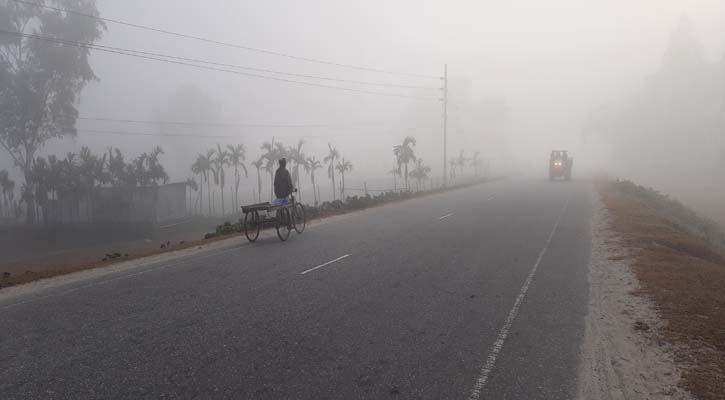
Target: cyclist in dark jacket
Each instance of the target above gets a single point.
(282, 183)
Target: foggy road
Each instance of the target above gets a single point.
(475, 293)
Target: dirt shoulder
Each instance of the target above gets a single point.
(678, 272)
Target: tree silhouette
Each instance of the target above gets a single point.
(198, 168)
(419, 173)
(476, 163)
(313, 164)
(297, 157)
(236, 159)
(92, 175)
(258, 164)
(146, 169)
(220, 161)
(40, 81)
(7, 186)
(453, 161)
(342, 167)
(206, 165)
(404, 154)
(272, 153)
(330, 158)
(462, 161)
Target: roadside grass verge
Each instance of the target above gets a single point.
(679, 261)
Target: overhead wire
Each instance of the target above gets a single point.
(271, 71)
(226, 44)
(201, 136)
(131, 53)
(221, 124)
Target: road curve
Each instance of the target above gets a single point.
(478, 293)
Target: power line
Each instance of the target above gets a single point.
(199, 136)
(132, 54)
(200, 61)
(222, 124)
(212, 41)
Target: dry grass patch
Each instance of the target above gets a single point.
(684, 273)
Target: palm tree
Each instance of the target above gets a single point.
(198, 168)
(454, 163)
(419, 173)
(271, 155)
(298, 158)
(330, 158)
(93, 174)
(119, 173)
(396, 173)
(43, 180)
(221, 161)
(312, 165)
(476, 163)
(146, 170)
(258, 164)
(206, 165)
(462, 161)
(404, 154)
(342, 167)
(236, 159)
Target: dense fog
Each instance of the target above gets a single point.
(635, 89)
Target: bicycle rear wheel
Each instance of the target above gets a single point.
(283, 224)
(298, 218)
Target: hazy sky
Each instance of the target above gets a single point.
(549, 62)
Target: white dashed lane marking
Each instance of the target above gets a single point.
(324, 265)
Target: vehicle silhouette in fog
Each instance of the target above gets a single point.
(560, 165)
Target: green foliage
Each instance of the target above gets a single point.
(40, 81)
(78, 176)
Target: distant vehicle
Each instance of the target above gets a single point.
(560, 165)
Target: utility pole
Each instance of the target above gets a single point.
(445, 124)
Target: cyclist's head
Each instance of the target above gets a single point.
(283, 162)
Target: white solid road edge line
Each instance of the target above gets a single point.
(445, 216)
(325, 264)
(503, 334)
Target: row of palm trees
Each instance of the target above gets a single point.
(76, 179)
(461, 162)
(210, 167)
(405, 154)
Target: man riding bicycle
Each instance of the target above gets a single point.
(282, 184)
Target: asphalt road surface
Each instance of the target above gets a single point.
(478, 293)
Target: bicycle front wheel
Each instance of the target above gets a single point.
(298, 218)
